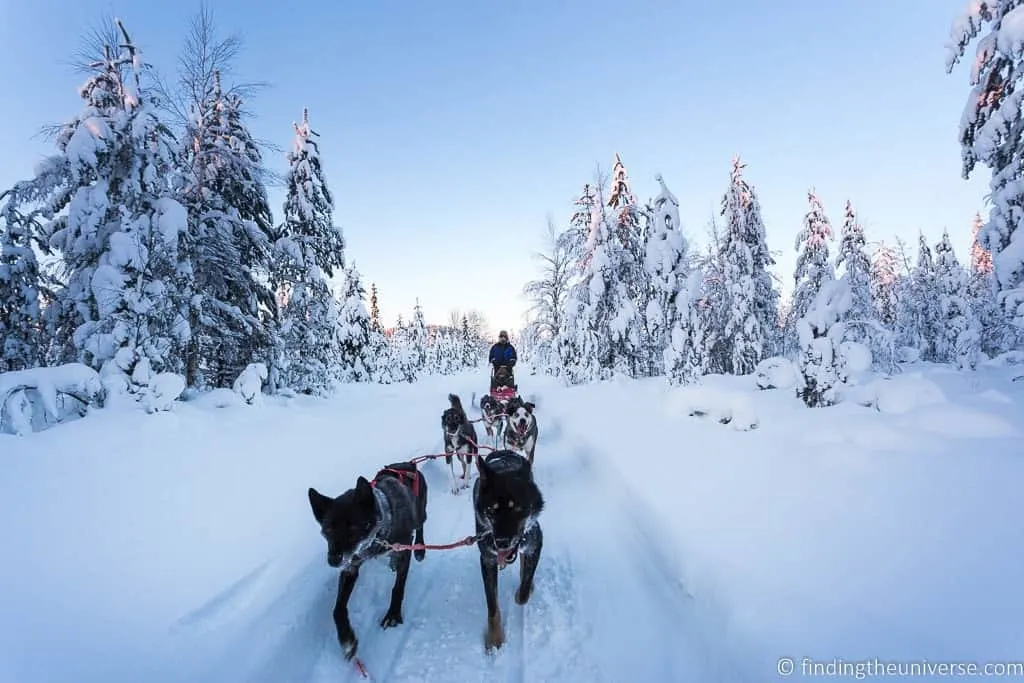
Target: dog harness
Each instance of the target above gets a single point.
(401, 474)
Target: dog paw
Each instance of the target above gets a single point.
(523, 594)
(494, 638)
(391, 619)
(348, 647)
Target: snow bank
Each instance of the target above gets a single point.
(832, 533)
(724, 405)
(897, 395)
(776, 373)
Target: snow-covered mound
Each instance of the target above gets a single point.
(722, 404)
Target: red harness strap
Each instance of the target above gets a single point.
(401, 474)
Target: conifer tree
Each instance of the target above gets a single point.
(121, 234)
(852, 257)
(884, 279)
(741, 289)
(666, 269)
(21, 336)
(310, 250)
(813, 266)
(992, 133)
(958, 336)
(228, 242)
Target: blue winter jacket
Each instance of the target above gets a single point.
(503, 354)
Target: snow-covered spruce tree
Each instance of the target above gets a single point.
(981, 258)
(813, 265)
(992, 132)
(374, 309)
(120, 237)
(309, 250)
(747, 298)
(821, 332)
(601, 323)
(21, 334)
(356, 360)
(228, 242)
(418, 339)
(919, 304)
(631, 228)
(401, 358)
(997, 332)
(958, 334)
(853, 259)
(692, 334)
(666, 268)
(883, 285)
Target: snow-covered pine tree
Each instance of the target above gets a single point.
(852, 257)
(418, 339)
(742, 290)
(692, 334)
(821, 333)
(601, 321)
(813, 265)
(919, 305)
(228, 242)
(981, 258)
(309, 250)
(884, 281)
(997, 334)
(992, 132)
(356, 359)
(958, 333)
(631, 227)
(402, 362)
(374, 309)
(120, 237)
(666, 268)
(21, 335)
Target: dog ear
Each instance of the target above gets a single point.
(364, 492)
(529, 407)
(481, 470)
(320, 504)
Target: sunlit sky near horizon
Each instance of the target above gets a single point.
(451, 130)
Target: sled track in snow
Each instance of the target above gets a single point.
(608, 603)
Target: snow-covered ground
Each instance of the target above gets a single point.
(180, 546)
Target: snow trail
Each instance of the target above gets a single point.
(607, 606)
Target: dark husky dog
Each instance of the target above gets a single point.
(361, 524)
(493, 414)
(459, 440)
(521, 431)
(507, 503)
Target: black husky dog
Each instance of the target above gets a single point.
(459, 440)
(507, 503)
(361, 524)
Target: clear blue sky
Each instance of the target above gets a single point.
(451, 129)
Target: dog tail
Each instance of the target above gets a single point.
(472, 401)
